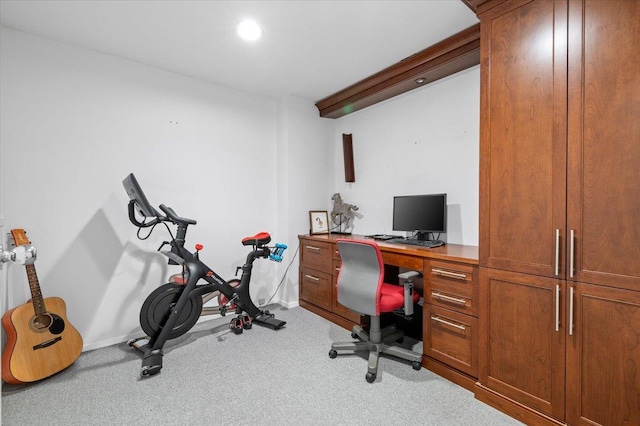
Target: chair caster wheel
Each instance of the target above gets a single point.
(130, 342)
(354, 335)
(416, 365)
(370, 377)
(150, 371)
(333, 354)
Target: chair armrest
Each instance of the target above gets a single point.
(408, 290)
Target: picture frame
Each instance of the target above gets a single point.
(318, 222)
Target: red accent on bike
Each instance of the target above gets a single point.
(258, 236)
(178, 279)
(210, 274)
(199, 247)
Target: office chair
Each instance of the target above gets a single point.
(361, 288)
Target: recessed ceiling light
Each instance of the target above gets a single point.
(249, 30)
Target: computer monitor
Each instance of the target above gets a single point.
(422, 214)
(135, 194)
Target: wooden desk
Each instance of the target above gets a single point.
(449, 289)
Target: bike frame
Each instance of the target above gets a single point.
(178, 254)
(192, 291)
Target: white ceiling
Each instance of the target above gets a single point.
(309, 49)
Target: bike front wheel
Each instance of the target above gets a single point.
(158, 305)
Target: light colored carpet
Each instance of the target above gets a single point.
(260, 377)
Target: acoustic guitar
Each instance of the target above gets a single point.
(40, 339)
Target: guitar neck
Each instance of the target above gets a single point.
(36, 294)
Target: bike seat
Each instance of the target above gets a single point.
(259, 239)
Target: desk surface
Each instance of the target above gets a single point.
(453, 252)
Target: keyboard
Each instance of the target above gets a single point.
(415, 242)
(382, 237)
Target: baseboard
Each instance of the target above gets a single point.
(455, 376)
(112, 341)
(512, 408)
(287, 305)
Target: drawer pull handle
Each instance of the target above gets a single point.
(449, 274)
(449, 298)
(312, 248)
(458, 326)
(311, 277)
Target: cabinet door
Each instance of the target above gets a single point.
(523, 136)
(604, 141)
(522, 339)
(603, 357)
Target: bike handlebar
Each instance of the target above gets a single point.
(174, 217)
(136, 222)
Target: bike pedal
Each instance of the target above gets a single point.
(236, 326)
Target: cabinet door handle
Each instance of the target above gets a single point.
(312, 248)
(458, 326)
(571, 291)
(311, 277)
(449, 274)
(557, 307)
(571, 247)
(449, 298)
(557, 268)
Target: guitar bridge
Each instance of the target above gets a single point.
(47, 343)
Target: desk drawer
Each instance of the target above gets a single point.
(452, 338)
(316, 255)
(402, 260)
(451, 297)
(457, 274)
(315, 287)
(452, 286)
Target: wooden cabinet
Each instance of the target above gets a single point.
(450, 321)
(315, 273)
(319, 268)
(604, 142)
(450, 292)
(523, 135)
(523, 338)
(559, 203)
(603, 355)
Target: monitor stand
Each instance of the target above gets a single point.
(422, 236)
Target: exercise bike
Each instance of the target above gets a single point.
(174, 308)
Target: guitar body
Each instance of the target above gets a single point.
(38, 345)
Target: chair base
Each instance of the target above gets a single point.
(377, 342)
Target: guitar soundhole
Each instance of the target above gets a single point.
(43, 322)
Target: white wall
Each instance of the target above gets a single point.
(306, 165)
(426, 141)
(74, 123)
